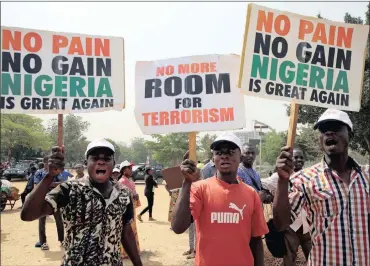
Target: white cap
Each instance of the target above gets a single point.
(100, 143)
(125, 164)
(334, 115)
(115, 170)
(228, 137)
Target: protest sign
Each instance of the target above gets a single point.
(188, 94)
(309, 61)
(47, 72)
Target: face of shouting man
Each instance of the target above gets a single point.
(100, 164)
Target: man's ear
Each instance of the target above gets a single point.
(85, 162)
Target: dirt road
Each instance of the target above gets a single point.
(159, 245)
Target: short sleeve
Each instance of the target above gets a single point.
(258, 222)
(128, 216)
(38, 177)
(196, 200)
(296, 196)
(59, 196)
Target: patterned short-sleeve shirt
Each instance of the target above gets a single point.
(93, 224)
(339, 214)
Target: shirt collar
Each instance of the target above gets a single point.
(351, 162)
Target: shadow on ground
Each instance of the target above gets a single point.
(146, 258)
(3, 237)
(9, 211)
(54, 255)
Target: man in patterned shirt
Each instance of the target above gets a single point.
(334, 193)
(97, 213)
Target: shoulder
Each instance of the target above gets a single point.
(308, 174)
(123, 189)
(365, 169)
(247, 189)
(203, 184)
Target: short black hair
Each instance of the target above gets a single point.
(33, 168)
(41, 165)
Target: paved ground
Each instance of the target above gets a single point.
(160, 246)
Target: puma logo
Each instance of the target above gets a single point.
(234, 207)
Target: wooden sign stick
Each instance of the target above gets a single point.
(193, 146)
(294, 107)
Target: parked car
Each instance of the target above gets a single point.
(138, 173)
(18, 171)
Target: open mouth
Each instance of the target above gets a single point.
(100, 172)
(225, 164)
(331, 142)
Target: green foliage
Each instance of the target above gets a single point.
(138, 151)
(307, 141)
(203, 151)
(22, 132)
(75, 142)
(117, 149)
(168, 149)
(271, 145)
(361, 141)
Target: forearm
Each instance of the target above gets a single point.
(181, 216)
(281, 209)
(129, 244)
(35, 205)
(256, 246)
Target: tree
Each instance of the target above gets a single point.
(138, 151)
(117, 149)
(272, 143)
(74, 140)
(306, 140)
(22, 132)
(168, 149)
(204, 151)
(360, 120)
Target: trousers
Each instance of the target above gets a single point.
(150, 198)
(292, 242)
(192, 236)
(59, 223)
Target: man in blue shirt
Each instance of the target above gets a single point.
(30, 184)
(65, 175)
(40, 174)
(246, 171)
(209, 170)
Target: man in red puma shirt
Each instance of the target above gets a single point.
(228, 213)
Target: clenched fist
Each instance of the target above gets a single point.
(284, 164)
(56, 164)
(189, 169)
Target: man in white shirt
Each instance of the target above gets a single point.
(80, 172)
(298, 232)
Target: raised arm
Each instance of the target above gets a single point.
(35, 205)
(281, 209)
(128, 237)
(181, 215)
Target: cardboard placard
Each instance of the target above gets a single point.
(173, 177)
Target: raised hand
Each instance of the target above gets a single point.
(284, 163)
(56, 163)
(189, 169)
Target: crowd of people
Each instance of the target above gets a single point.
(325, 208)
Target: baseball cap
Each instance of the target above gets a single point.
(227, 137)
(334, 115)
(125, 164)
(115, 170)
(99, 143)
